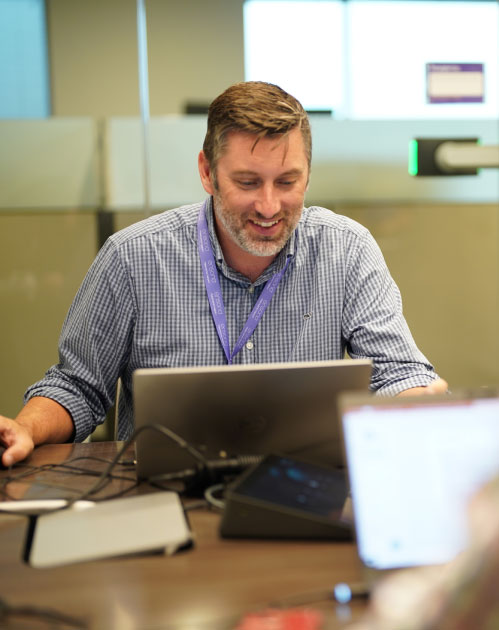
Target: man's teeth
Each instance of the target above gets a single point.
(266, 223)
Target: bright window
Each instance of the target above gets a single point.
(367, 59)
(388, 63)
(279, 49)
(24, 76)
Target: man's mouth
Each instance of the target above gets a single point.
(265, 224)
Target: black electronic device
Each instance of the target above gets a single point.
(285, 498)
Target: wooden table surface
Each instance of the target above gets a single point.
(210, 586)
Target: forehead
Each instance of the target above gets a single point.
(242, 148)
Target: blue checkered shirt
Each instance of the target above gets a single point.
(143, 303)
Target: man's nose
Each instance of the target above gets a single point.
(268, 203)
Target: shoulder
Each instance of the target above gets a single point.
(316, 219)
(338, 237)
(170, 224)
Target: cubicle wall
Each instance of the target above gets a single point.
(49, 190)
(440, 236)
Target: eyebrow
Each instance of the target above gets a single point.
(292, 172)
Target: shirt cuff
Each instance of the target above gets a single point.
(76, 408)
(416, 380)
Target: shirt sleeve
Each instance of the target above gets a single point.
(94, 345)
(374, 326)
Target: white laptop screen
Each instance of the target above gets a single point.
(412, 469)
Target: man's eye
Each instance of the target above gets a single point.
(286, 182)
(246, 183)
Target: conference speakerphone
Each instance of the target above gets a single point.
(282, 497)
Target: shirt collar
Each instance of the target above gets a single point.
(288, 250)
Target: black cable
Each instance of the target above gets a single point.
(103, 478)
(49, 615)
(197, 505)
(66, 468)
(211, 472)
(176, 438)
(204, 474)
(102, 460)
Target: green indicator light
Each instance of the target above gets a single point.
(413, 157)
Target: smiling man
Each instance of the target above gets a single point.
(248, 276)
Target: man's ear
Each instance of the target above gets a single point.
(205, 173)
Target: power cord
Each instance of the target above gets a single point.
(53, 617)
(204, 474)
(211, 499)
(208, 473)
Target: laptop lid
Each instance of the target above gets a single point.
(413, 463)
(290, 408)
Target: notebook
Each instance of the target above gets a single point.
(413, 463)
(226, 411)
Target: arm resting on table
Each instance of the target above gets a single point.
(439, 386)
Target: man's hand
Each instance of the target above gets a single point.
(40, 421)
(436, 387)
(16, 439)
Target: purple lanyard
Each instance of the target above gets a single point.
(212, 284)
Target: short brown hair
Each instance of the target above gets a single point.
(255, 107)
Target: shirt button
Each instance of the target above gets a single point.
(249, 345)
(251, 289)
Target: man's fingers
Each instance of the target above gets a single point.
(15, 442)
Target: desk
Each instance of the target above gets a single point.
(210, 586)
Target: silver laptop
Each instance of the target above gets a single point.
(413, 464)
(226, 411)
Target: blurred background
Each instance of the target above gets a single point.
(82, 155)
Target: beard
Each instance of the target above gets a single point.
(236, 225)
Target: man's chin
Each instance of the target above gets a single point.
(263, 248)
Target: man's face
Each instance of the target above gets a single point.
(259, 194)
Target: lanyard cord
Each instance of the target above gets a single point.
(212, 284)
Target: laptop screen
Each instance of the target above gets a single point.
(413, 465)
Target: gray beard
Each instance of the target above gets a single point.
(263, 246)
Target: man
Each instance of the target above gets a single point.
(177, 289)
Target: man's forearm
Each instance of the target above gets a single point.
(46, 420)
(439, 386)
